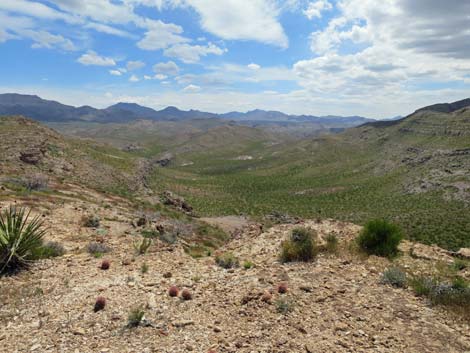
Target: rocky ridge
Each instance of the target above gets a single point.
(336, 303)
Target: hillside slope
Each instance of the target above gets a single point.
(30, 151)
(414, 171)
(334, 304)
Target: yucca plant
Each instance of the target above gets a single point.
(19, 239)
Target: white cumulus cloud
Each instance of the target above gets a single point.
(192, 53)
(91, 58)
(168, 68)
(316, 8)
(192, 89)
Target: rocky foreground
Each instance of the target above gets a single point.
(335, 304)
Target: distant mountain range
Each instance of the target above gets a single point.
(51, 111)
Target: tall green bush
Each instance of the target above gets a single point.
(380, 238)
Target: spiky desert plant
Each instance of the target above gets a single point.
(282, 288)
(173, 291)
(186, 294)
(141, 247)
(227, 260)
(105, 265)
(135, 317)
(19, 239)
(99, 304)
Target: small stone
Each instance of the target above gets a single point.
(35, 347)
(217, 329)
(183, 323)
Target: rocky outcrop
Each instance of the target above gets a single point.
(176, 201)
(32, 156)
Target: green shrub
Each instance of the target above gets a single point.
(227, 260)
(135, 317)
(394, 277)
(422, 285)
(141, 247)
(300, 246)
(455, 296)
(19, 239)
(380, 238)
(331, 245)
(459, 265)
(144, 268)
(284, 305)
(247, 264)
(97, 249)
(91, 221)
(48, 250)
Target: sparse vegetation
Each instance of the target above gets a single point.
(91, 221)
(459, 265)
(227, 260)
(247, 264)
(454, 295)
(144, 268)
(141, 247)
(380, 238)
(135, 317)
(331, 245)
(284, 305)
(97, 249)
(300, 246)
(20, 238)
(422, 285)
(395, 277)
(48, 250)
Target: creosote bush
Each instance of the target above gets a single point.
(459, 265)
(454, 295)
(48, 250)
(135, 317)
(19, 239)
(380, 238)
(300, 246)
(394, 277)
(227, 260)
(97, 249)
(422, 285)
(331, 245)
(100, 303)
(91, 221)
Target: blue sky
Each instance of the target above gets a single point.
(344, 57)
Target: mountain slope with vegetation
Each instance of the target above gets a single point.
(414, 171)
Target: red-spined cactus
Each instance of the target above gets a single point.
(105, 264)
(282, 288)
(173, 291)
(186, 294)
(99, 304)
